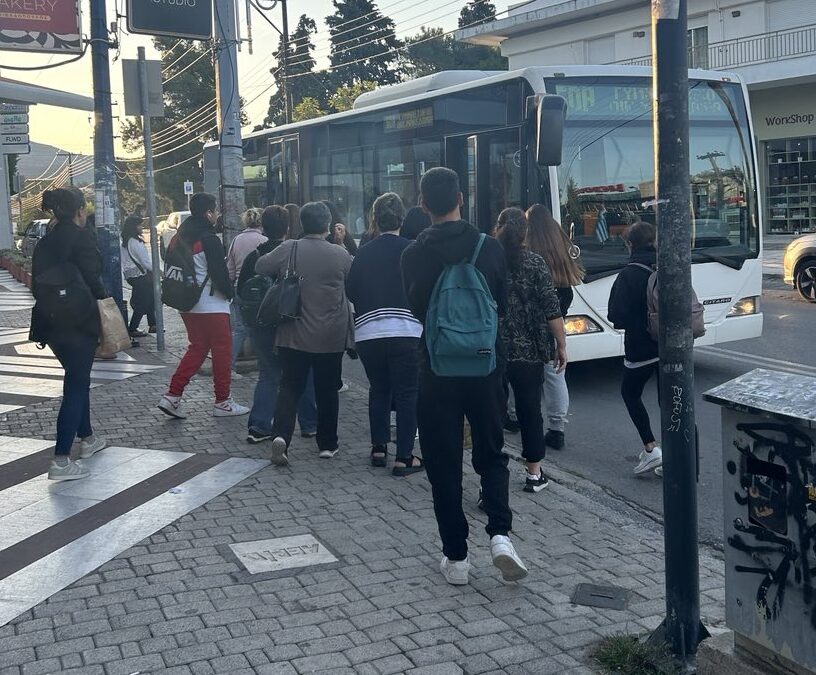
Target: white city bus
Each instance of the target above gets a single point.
(484, 126)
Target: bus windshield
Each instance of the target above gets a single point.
(606, 180)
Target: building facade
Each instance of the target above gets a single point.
(771, 44)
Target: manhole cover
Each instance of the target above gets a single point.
(592, 595)
(271, 555)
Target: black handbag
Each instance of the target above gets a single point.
(281, 303)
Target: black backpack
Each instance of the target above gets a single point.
(250, 298)
(63, 298)
(181, 289)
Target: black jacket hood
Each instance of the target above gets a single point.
(453, 241)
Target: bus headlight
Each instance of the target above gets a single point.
(745, 307)
(581, 325)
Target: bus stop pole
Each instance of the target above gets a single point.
(151, 199)
(681, 629)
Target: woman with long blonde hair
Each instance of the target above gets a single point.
(547, 238)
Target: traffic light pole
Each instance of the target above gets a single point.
(682, 629)
(106, 202)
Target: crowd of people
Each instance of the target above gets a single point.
(385, 303)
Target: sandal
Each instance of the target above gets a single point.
(414, 465)
(379, 455)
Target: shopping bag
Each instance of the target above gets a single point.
(113, 335)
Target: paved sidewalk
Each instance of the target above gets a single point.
(181, 601)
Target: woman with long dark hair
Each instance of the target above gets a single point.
(137, 268)
(532, 331)
(547, 238)
(338, 232)
(65, 272)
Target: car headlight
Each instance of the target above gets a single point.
(745, 307)
(581, 325)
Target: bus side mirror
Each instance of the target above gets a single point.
(550, 117)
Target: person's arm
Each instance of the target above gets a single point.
(247, 271)
(550, 307)
(216, 266)
(88, 260)
(619, 312)
(351, 245)
(271, 263)
(353, 281)
(232, 267)
(417, 282)
(560, 357)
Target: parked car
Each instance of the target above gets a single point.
(799, 266)
(33, 233)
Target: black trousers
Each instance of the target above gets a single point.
(443, 404)
(141, 301)
(526, 379)
(295, 366)
(632, 385)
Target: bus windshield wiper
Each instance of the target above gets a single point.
(734, 260)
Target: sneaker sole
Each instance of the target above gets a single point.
(58, 478)
(509, 568)
(328, 454)
(229, 413)
(452, 580)
(646, 468)
(171, 413)
(86, 455)
(253, 440)
(536, 488)
(279, 457)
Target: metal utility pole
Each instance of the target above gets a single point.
(229, 118)
(287, 95)
(70, 156)
(106, 201)
(681, 629)
(151, 199)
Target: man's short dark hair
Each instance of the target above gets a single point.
(201, 202)
(275, 222)
(315, 218)
(641, 236)
(440, 189)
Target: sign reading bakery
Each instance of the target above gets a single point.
(40, 26)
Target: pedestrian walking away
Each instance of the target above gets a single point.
(250, 291)
(445, 401)
(628, 311)
(387, 336)
(244, 243)
(137, 268)
(208, 321)
(320, 335)
(529, 341)
(65, 271)
(547, 238)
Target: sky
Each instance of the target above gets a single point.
(72, 130)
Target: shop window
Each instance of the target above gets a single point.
(698, 47)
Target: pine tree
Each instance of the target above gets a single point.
(476, 12)
(431, 51)
(363, 44)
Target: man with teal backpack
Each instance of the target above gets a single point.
(455, 282)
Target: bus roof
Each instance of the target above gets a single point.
(535, 75)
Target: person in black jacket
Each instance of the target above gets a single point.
(386, 336)
(628, 311)
(69, 245)
(444, 402)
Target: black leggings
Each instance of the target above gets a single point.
(632, 385)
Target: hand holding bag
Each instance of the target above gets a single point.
(281, 303)
(113, 334)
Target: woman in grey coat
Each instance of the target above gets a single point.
(319, 337)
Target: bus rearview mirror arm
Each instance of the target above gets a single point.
(551, 113)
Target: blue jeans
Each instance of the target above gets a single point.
(75, 351)
(239, 332)
(392, 368)
(266, 390)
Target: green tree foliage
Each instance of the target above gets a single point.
(431, 51)
(189, 108)
(302, 80)
(361, 39)
(476, 12)
(307, 109)
(343, 98)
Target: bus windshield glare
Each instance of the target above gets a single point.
(606, 180)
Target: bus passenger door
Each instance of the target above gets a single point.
(460, 155)
(284, 171)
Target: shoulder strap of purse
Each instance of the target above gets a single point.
(135, 262)
(291, 268)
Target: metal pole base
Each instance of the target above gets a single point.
(688, 662)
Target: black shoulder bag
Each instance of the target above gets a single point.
(281, 303)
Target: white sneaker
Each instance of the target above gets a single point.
(343, 389)
(455, 571)
(328, 454)
(280, 456)
(659, 472)
(69, 471)
(229, 408)
(88, 447)
(171, 405)
(649, 461)
(506, 558)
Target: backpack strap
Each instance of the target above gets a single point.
(650, 270)
(478, 248)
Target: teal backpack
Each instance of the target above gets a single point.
(462, 321)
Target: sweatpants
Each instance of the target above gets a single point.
(525, 380)
(75, 352)
(206, 333)
(556, 397)
(632, 385)
(443, 404)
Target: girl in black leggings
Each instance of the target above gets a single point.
(628, 312)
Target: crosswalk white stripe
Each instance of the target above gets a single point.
(47, 362)
(6, 369)
(12, 448)
(32, 386)
(41, 579)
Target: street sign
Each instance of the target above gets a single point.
(191, 19)
(41, 26)
(188, 187)
(16, 149)
(13, 118)
(155, 96)
(10, 108)
(13, 139)
(13, 128)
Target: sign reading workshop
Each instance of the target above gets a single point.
(40, 26)
(190, 19)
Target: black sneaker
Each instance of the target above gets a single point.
(308, 434)
(536, 484)
(137, 334)
(511, 425)
(256, 437)
(554, 439)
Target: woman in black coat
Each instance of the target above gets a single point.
(67, 264)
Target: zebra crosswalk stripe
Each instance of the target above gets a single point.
(51, 534)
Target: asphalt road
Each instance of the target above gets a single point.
(602, 445)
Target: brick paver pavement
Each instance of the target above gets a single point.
(180, 602)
